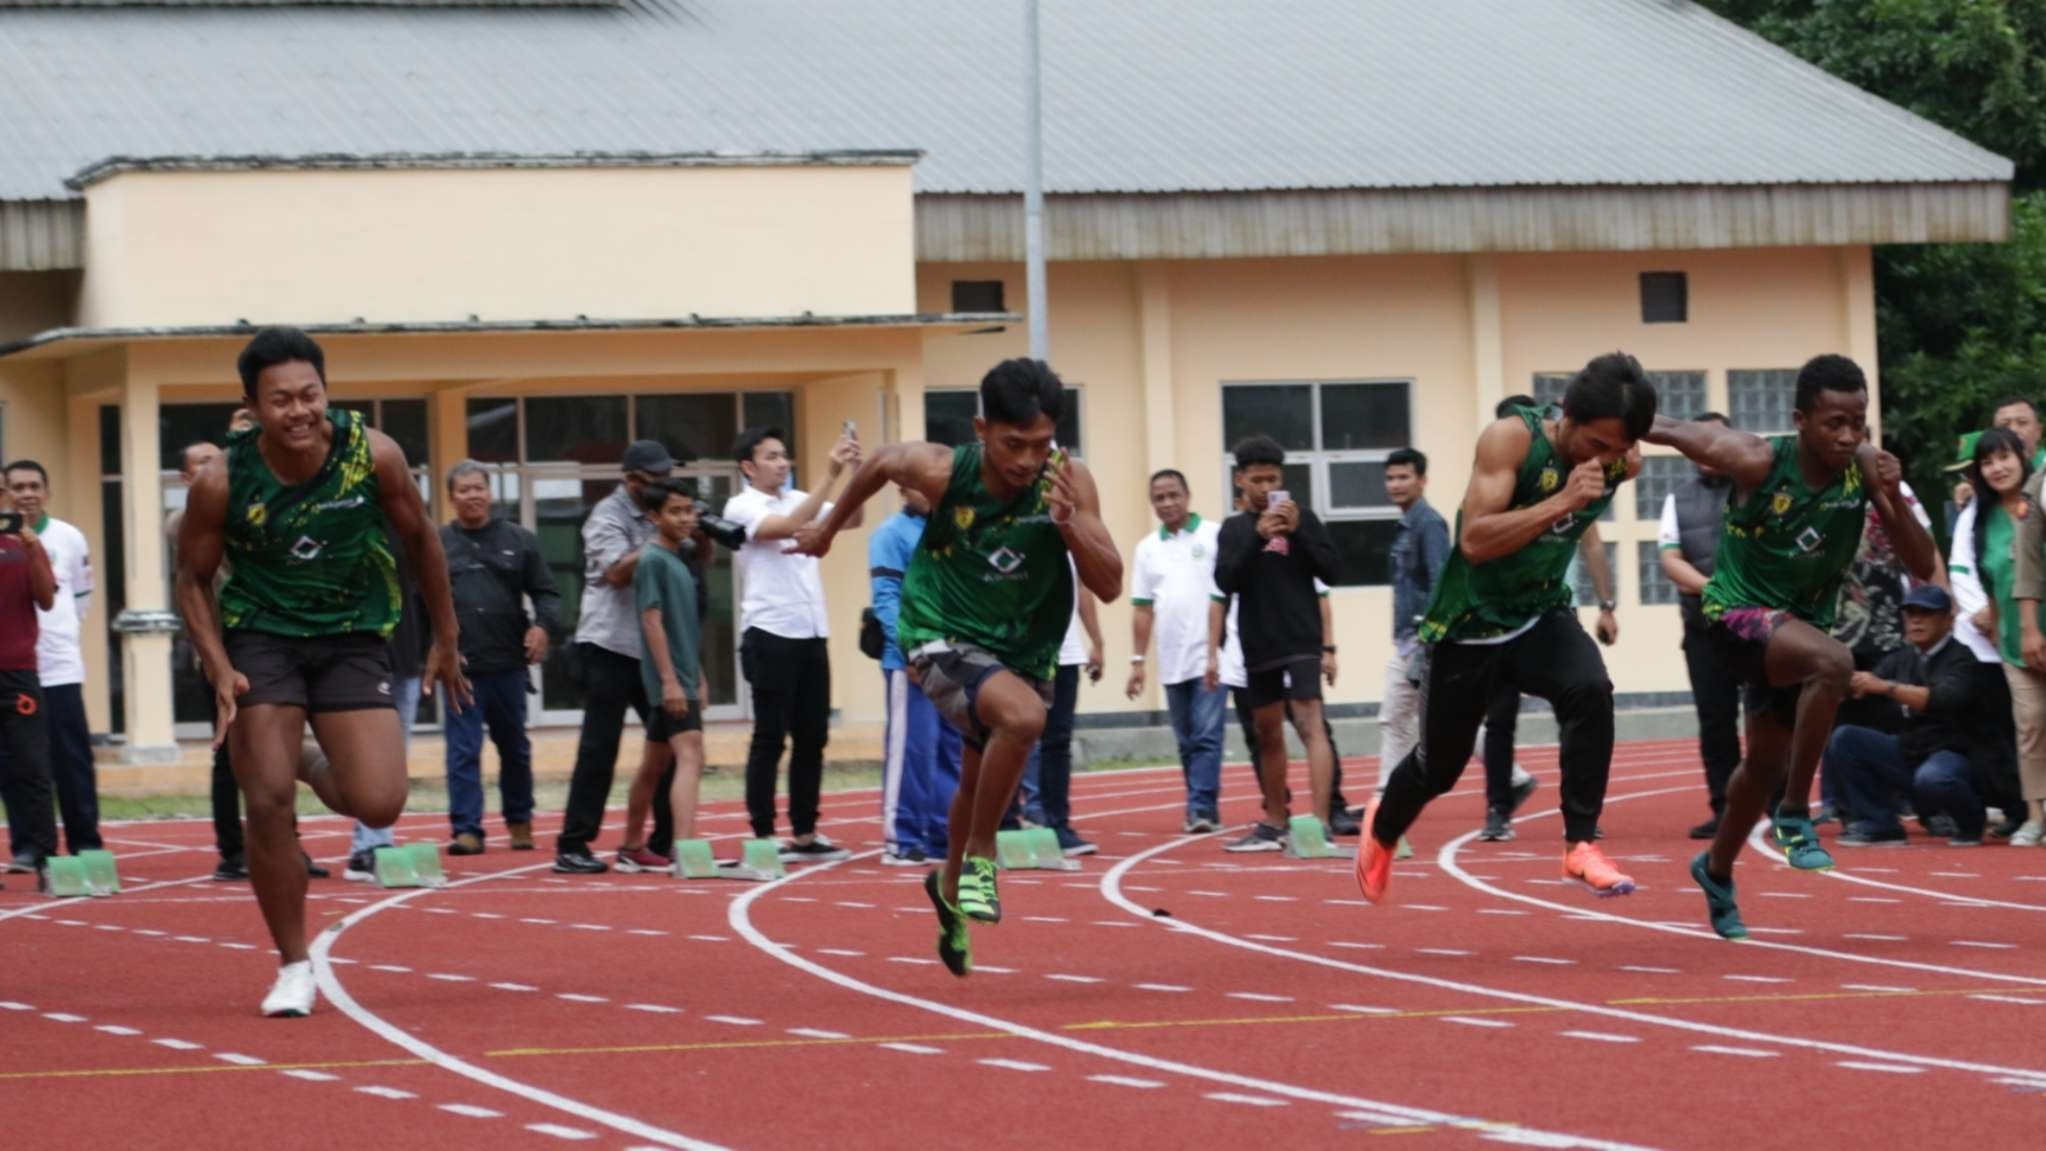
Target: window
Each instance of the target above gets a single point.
(1580, 573)
(1550, 386)
(949, 412)
(1659, 476)
(1665, 298)
(1655, 586)
(1337, 435)
(1761, 400)
(1679, 395)
(977, 296)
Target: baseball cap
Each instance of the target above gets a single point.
(1964, 452)
(648, 456)
(1928, 597)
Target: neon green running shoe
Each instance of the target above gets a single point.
(955, 944)
(1798, 840)
(977, 896)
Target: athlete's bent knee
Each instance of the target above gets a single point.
(1833, 672)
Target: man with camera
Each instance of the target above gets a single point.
(27, 584)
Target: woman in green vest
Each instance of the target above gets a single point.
(1999, 472)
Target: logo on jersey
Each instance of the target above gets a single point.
(1004, 561)
(1810, 539)
(962, 518)
(307, 549)
(1780, 503)
(1200, 551)
(384, 687)
(1564, 525)
(338, 505)
(257, 514)
(1549, 479)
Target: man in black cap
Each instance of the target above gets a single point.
(607, 641)
(1946, 737)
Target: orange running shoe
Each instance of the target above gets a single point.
(1586, 864)
(1374, 860)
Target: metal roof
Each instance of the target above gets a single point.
(1140, 95)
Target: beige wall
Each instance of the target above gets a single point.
(625, 243)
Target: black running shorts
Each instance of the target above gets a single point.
(347, 672)
(1294, 682)
(661, 727)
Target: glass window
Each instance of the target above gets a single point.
(1579, 572)
(1665, 298)
(494, 431)
(1761, 401)
(1550, 386)
(1284, 412)
(110, 444)
(405, 422)
(1357, 484)
(1655, 585)
(581, 429)
(1659, 476)
(692, 426)
(948, 415)
(1366, 548)
(112, 596)
(1363, 416)
(178, 426)
(1679, 395)
(771, 410)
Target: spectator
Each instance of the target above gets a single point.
(1416, 560)
(921, 751)
(28, 588)
(2021, 416)
(1689, 543)
(1935, 757)
(671, 667)
(783, 634)
(1975, 622)
(1169, 580)
(407, 643)
(1046, 790)
(495, 566)
(60, 662)
(606, 653)
(226, 793)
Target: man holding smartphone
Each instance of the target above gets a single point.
(27, 584)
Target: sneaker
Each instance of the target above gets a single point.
(362, 867)
(2030, 835)
(1941, 824)
(1498, 827)
(230, 869)
(467, 843)
(23, 863)
(1706, 830)
(521, 835)
(1261, 837)
(634, 860)
(904, 857)
(579, 862)
(1794, 836)
(978, 898)
(291, 997)
(1200, 825)
(2004, 828)
(955, 943)
(1966, 839)
(313, 869)
(1070, 843)
(1825, 814)
(818, 850)
(1586, 864)
(1341, 822)
(1374, 861)
(1405, 850)
(1719, 901)
(1523, 786)
(1871, 835)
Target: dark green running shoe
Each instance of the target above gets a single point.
(1798, 840)
(955, 945)
(1719, 904)
(977, 897)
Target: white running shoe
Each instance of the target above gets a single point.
(2030, 835)
(291, 997)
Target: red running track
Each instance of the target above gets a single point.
(1167, 994)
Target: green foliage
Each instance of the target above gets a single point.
(1960, 324)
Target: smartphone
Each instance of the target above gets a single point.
(1278, 498)
(10, 523)
(849, 430)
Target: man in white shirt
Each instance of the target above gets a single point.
(59, 661)
(1170, 578)
(783, 634)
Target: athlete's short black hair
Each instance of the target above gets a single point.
(1612, 387)
(27, 466)
(749, 441)
(1172, 474)
(1016, 392)
(1827, 373)
(1505, 407)
(1408, 457)
(1711, 418)
(655, 495)
(277, 345)
(1259, 450)
(2009, 401)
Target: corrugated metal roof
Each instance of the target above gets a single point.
(1140, 95)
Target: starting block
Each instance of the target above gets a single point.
(413, 865)
(693, 859)
(759, 861)
(1306, 839)
(82, 874)
(1033, 849)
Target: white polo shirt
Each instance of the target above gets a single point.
(1174, 573)
(784, 593)
(1230, 661)
(58, 659)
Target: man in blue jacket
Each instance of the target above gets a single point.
(921, 750)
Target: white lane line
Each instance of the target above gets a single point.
(1167, 987)
(178, 1044)
(1502, 911)
(1879, 987)
(240, 946)
(1246, 1100)
(912, 1048)
(1872, 899)
(11, 1005)
(643, 931)
(1544, 959)
(916, 960)
(1784, 894)
(1842, 876)
(1744, 1052)
(1126, 1081)
(711, 938)
(1756, 978)
(542, 922)
(1012, 1064)
(1982, 944)
(239, 1059)
(1261, 938)
(116, 1029)
(738, 914)
(1259, 997)
(1074, 978)
(991, 969)
(2009, 999)
(449, 977)
(386, 1092)
(338, 996)
(486, 915)
(842, 952)
(1891, 1068)
(733, 1020)
(1356, 946)
(472, 1111)
(1468, 1021)
(816, 1033)
(1361, 1009)
(1450, 951)
(1426, 906)
(312, 1076)
(1867, 937)
(653, 1008)
(63, 1017)
(1600, 1036)
(390, 967)
(573, 997)
(560, 1132)
(514, 987)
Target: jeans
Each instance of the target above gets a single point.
(1048, 776)
(611, 684)
(1197, 726)
(791, 681)
(1871, 772)
(405, 692)
(501, 704)
(1717, 695)
(25, 766)
(920, 772)
(1555, 660)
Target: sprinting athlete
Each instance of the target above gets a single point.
(300, 505)
(1793, 524)
(985, 605)
(1501, 613)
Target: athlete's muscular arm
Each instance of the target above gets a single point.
(201, 540)
(1489, 529)
(1883, 475)
(1075, 505)
(399, 498)
(922, 466)
(1745, 457)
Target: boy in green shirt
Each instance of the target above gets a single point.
(671, 667)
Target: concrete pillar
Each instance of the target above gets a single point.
(146, 625)
(1488, 338)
